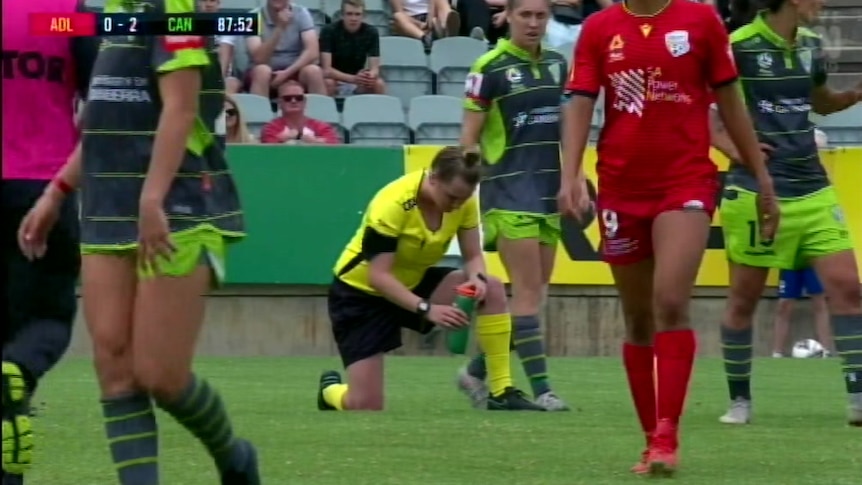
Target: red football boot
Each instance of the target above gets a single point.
(662, 459)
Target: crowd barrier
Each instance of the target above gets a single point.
(302, 204)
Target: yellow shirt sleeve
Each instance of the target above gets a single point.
(470, 213)
(387, 215)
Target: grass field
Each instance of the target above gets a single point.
(429, 436)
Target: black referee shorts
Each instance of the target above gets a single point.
(366, 325)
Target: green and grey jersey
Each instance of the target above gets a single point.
(119, 127)
(520, 139)
(777, 79)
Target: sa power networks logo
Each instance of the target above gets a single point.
(633, 88)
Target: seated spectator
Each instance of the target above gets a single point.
(483, 19)
(292, 127)
(564, 26)
(287, 49)
(350, 53)
(225, 44)
(235, 127)
(425, 20)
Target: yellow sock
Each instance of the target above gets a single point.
(494, 333)
(334, 395)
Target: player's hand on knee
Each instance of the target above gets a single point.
(447, 316)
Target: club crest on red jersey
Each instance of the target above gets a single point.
(677, 43)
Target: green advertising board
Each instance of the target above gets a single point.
(301, 205)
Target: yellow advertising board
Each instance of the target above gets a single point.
(844, 166)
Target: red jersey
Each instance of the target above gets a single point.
(657, 73)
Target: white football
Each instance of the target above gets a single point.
(807, 349)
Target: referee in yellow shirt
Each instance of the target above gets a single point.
(385, 280)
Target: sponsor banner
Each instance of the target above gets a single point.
(579, 263)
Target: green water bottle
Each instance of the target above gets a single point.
(465, 300)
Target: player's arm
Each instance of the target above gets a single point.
(469, 240)
(723, 78)
(825, 100)
(718, 136)
(579, 101)
(68, 178)
(479, 93)
(178, 61)
(384, 222)
(84, 52)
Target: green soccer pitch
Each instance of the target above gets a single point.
(430, 436)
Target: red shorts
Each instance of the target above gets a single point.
(626, 221)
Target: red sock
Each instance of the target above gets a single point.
(674, 351)
(639, 361)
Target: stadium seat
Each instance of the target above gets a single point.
(435, 120)
(375, 119)
(323, 108)
(843, 128)
(240, 4)
(316, 9)
(404, 67)
(451, 60)
(256, 111)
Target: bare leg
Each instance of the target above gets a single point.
(781, 328)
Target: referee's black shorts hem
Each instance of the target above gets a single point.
(366, 325)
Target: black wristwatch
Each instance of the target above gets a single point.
(422, 308)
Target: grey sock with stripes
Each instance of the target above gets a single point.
(736, 346)
(477, 367)
(847, 330)
(201, 411)
(530, 346)
(130, 425)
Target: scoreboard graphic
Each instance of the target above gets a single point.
(144, 24)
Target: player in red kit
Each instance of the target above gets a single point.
(658, 62)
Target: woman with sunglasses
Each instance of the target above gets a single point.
(293, 127)
(235, 127)
(155, 223)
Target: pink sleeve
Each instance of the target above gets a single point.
(270, 131)
(324, 130)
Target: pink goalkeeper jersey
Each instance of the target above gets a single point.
(38, 93)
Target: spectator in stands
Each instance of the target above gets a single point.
(483, 19)
(293, 127)
(425, 20)
(567, 16)
(226, 44)
(236, 129)
(287, 50)
(350, 53)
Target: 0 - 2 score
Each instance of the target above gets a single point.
(128, 25)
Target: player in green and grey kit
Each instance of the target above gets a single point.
(158, 208)
(783, 78)
(512, 110)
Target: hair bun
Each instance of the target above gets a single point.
(472, 157)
